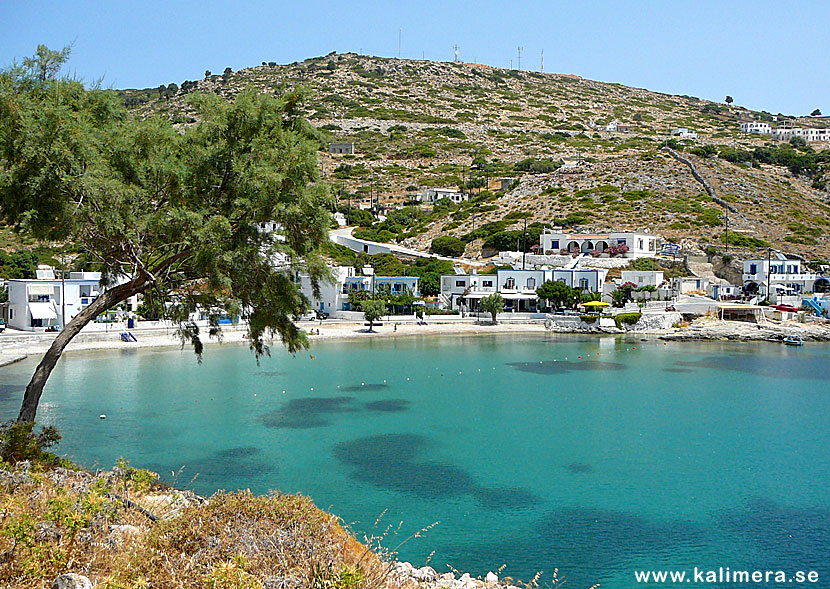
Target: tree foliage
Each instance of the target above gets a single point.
(558, 294)
(170, 213)
(373, 310)
(447, 245)
(493, 304)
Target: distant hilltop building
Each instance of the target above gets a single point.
(785, 132)
(616, 126)
(684, 133)
(342, 147)
(756, 128)
(433, 195)
(809, 135)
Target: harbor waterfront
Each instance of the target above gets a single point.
(596, 455)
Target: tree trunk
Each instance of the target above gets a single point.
(105, 300)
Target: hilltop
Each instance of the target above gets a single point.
(419, 123)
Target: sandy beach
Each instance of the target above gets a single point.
(15, 346)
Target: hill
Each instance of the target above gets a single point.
(417, 124)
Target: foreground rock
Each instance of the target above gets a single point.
(72, 581)
(405, 574)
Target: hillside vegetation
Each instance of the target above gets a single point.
(421, 123)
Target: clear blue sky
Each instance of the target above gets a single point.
(768, 55)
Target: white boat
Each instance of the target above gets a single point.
(793, 340)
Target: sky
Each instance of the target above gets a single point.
(767, 55)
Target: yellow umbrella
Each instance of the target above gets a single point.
(595, 304)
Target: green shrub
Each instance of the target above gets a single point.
(589, 319)
(447, 245)
(18, 442)
(627, 319)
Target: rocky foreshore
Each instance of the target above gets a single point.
(710, 328)
(670, 326)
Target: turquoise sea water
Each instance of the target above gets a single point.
(638, 455)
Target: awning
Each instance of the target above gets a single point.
(42, 311)
(519, 296)
(41, 289)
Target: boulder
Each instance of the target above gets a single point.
(491, 578)
(72, 581)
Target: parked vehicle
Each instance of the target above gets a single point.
(2, 325)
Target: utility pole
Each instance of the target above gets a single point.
(520, 58)
(455, 48)
(349, 209)
(524, 244)
(543, 62)
(769, 270)
(63, 292)
(727, 231)
(400, 31)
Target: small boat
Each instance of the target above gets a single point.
(793, 340)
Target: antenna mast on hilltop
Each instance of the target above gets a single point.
(455, 47)
(543, 61)
(400, 30)
(520, 58)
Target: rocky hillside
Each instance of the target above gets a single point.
(420, 123)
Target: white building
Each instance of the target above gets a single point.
(432, 195)
(463, 291)
(781, 274)
(724, 292)
(346, 147)
(516, 287)
(639, 244)
(584, 279)
(616, 126)
(809, 135)
(684, 133)
(48, 303)
(334, 294)
(756, 128)
(643, 277)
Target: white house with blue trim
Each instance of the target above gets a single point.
(47, 303)
(556, 241)
(516, 287)
(781, 274)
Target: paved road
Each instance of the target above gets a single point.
(346, 232)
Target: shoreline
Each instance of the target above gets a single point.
(19, 346)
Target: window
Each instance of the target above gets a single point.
(460, 283)
(510, 283)
(554, 244)
(583, 284)
(487, 283)
(753, 268)
(531, 283)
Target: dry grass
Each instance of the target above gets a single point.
(60, 520)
